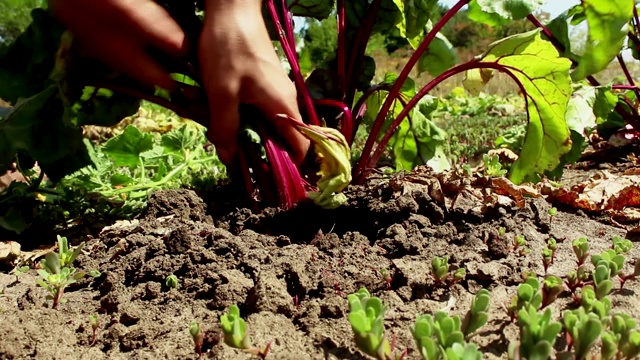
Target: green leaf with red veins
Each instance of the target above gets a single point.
(334, 155)
(546, 83)
(496, 13)
(608, 27)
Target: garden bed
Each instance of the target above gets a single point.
(290, 272)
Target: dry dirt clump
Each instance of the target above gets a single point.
(290, 272)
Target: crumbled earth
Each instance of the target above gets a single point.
(290, 272)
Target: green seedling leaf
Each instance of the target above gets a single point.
(334, 155)
(544, 77)
(585, 328)
(552, 287)
(477, 316)
(538, 333)
(234, 329)
(423, 334)
(529, 293)
(447, 329)
(498, 13)
(609, 347)
(366, 316)
(602, 280)
(459, 351)
(608, 28)
(172, 281)
(197, 335)
(581, 249)
(620, 245)
(440, 267)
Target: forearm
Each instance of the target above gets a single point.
(223, 6)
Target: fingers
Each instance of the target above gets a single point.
(136, 64)
(282, 99)
(225, 124)
(117, 32)
(153, 24)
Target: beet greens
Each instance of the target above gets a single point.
(55, 92)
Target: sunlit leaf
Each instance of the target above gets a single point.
(608, 27)
(544, 77)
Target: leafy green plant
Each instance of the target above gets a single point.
(520, 243)
(234, 329)
(74, 91)
(575, 278)
(366, 316)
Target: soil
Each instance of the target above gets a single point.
(290, 273)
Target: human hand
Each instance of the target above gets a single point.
(117, 32)
(240, 66)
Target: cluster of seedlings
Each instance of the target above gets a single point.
(592, 331)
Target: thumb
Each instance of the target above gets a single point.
(283, 100)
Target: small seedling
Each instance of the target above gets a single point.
(537, 334)
(552, 244)
(520, 243)
(591, 304)
(386, 277)
(366, 316)
(435, 336)
(527, 293)
(581, 249)
(172, 281)
(94, 321)
(583, 329)
(463, 352)
(492, 166)
(197, 334)
(620, 245)
(551, 288)
(56, 278)
(440, 268)
(477, 315)
(236, 336)
(552, 212)
(441, 274)
(547, 258)
(502, 231)
(19, 271)
(625, 336)
(602, 278)
(575, 278)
